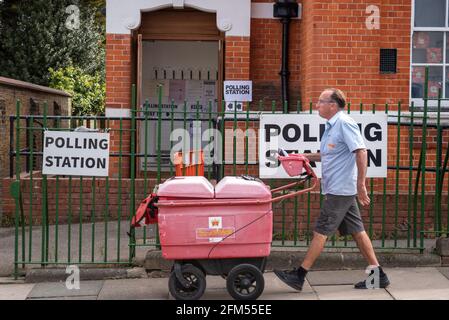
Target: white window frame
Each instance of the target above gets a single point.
(419, 102)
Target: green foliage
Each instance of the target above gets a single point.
(34, 37)
(39, 44)
(88, 92)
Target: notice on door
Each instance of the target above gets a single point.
(76, 153)
(239, 91)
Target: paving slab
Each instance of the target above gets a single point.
(135, 289)
(68, 298)
(338, 277)
(274, 289)
(444, 271)
(418, 284)
(347, 292)
(58, 289)
(15, 291)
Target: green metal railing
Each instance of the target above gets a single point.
(85, 220)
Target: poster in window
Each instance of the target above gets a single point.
(421, 40)
(434, 86)
(434, 55)
(418, 74)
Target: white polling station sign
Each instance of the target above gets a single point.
(301, 133)
(238, 91)
(76, 153)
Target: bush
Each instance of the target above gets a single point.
(88, 92)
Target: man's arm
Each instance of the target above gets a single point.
(314, 157)
(362, 162)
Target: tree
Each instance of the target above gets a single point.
(36, 35)
(88, 92)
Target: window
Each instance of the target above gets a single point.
(430, 48)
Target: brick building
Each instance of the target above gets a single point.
(375, 51)
(362, 47)
(332, 43)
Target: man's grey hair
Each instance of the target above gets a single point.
(338, 97)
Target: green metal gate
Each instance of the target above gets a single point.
(85, 220)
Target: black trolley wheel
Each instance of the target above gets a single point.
(197, 283)
(245, 282)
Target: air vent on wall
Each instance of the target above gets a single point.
(388, 59)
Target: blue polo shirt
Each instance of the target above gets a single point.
(338, 164)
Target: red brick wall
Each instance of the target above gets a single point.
(118, 71)
(266, 60)
(330, 46)
(118, 95)
(339, 51)
(237, 58)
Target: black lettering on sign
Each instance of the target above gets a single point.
(269, 128)
(49, 161)
(59, 143)
(296, 133)
(75, 162)
(76, 143)
(90, 163)
(373, 135)
(104, 144)
(376, 159)
(66, 163)
(322, 128)
(101, 163)
(271, 156)
(48, 141)
(307, 137)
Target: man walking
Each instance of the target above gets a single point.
(344, 164)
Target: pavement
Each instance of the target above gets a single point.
(425, 283)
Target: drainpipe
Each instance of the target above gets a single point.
(285, 10)
(285, 73)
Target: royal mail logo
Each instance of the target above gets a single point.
(215, 223)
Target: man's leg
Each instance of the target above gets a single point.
(366, 247)
(332, 213)
(296, 277)
(315, 249)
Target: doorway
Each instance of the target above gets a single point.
(180, 52)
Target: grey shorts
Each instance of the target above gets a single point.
(339, 213)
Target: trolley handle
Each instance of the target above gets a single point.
(310, 175)
(297, 193)
(290, 185)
